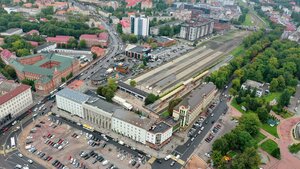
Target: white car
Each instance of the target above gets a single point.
(30, 161)
(20, 155)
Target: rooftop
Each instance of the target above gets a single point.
(136, 49)
(133, 89)
(88, 36)
(160, 127)
(12, 30)
(98, 102)
(163, 39)
(132, 118)
(37, 68)
(9, 90)
(45, 45)
(59, 39)
(73, 95)
(196, 95)
(103, 36)
(252, 83)
(76, 84)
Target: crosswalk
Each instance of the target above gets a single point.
(181, 162)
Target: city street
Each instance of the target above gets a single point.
(184, 150)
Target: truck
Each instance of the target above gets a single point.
(122, 102)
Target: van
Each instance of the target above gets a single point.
(167, 157)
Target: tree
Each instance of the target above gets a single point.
(281, 83)
(151, 98)
(132, 83)
(47, 11)
(172, 104)
(274, 85)
(11, 71)
(119, 28)
(111, 83)
(248, 159)
(82, 44)
(250, 123)
(263, 114)
(221, 145)
(218, 159)
(29, 82)
(284, 98)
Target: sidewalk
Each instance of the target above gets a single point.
(164, 151)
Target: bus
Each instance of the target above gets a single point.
(12, 142)
(90, 128)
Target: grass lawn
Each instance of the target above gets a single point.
(165, 114)
(248, 20)
(269, 146)
(235, 105)
(269, 129)
(272, 95)
(294, 148)
(260, 137)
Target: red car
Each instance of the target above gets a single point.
(5, 129)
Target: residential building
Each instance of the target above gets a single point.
(59, 39)
(163, 41)
(295, 36)
(140, 94)
(46, 69)
(194, 30)
(6, 56)
(131, 125)
(71, 101)
(12, 31)
(14, 99)
(146, 4)
(182, 15)
(138, 52)
(95, 40)
(33, 32)
(125, 26)
(159, 134)
(99, 52)
(46, 47)
(251, 84)
(139, 25)
(194, 104)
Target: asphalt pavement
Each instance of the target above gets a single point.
(184, 150)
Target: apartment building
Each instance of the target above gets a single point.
(159, 134)
(14, 98)
(139, 25)
(194, 30)
(194, 104)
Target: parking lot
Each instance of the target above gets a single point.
(54, 144)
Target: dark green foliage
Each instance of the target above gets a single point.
(151, 98)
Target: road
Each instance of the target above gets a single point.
(184, 150)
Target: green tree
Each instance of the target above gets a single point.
(132, 83)
(263, 114)
(281, 83)
(29, 82)
(47, 11)
(248, 159)
(119, 28)
(284, 98)
(151, 98)
(221, 145)
(172, 104)
(250, 123)
(112, 84)
(218, 159)
(82, 44)
(274, 85)
(11, 71)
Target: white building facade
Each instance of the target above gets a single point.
(14, 98)
(71, 101)
(139, 25)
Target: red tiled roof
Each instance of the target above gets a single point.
(88, 36)
(125, 23)
(76, 84)
(59, 39)
(13, 93)
(33, 32)
(103, 36)
(33, 43)
(131, 3)
(101, 27)
(6, 54)
(97, 50)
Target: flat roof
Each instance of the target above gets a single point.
(12, 30)
(98, 102)
(254, 84)
(47, 44)
(163, 39)
(133, 118)
(133, 89)
(196, 95)
(160, 127)
(73, 95)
